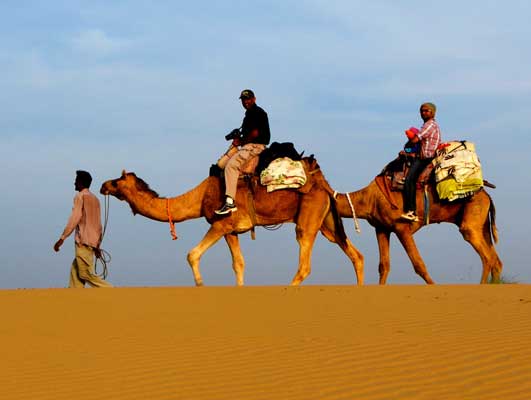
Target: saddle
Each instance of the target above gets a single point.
(255, 165)
(397, 170)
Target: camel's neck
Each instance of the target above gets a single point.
(362, 201)
(181, 208)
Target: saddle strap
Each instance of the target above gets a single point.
(426, 206)
(381, 181)
(251, 207)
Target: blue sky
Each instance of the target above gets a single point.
(153, 87)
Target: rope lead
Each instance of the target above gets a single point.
(103, 256)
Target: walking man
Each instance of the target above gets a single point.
(86, 220)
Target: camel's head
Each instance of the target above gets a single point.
(126, 186)
(115, 187)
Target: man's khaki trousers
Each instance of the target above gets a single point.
(235, 164)
(82, 271)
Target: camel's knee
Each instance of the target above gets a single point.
(298, 232)
(193, 257)
(468, 233)
(383, 268)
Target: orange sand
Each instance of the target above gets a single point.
(311, 342)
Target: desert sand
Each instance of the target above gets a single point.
(309, 342)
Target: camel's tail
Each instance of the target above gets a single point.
(492, 220)
(338, 222)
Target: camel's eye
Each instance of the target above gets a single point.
(114, 184)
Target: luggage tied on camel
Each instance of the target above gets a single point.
(457, 170)
(283, 173)
(279, 166)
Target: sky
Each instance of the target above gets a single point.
(152, 87)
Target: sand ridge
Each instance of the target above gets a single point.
(309, 342)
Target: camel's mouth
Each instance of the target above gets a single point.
(109, 188)
(104, 190)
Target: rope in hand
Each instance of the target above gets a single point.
(104, 257)
(172, 225)
(356, 224)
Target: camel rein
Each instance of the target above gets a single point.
(356, 224)
(103, 256)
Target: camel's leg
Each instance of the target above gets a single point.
(356, 257)
(238, 263)
(194, 256)
(384, 266)
(312, 212)
(406, 238)
(306, 239)
(479, 237)
(496, 265)
(329, 231)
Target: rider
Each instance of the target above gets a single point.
(429, 138)
(250, 141)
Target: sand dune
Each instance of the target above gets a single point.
(311, 342)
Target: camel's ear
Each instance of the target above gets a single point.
(123, 173)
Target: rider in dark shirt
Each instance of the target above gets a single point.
(255, 120)
(251, 141)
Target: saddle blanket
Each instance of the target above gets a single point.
(283, 173)
(457, 170)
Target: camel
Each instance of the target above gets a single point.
(311, 211)
(475, 216)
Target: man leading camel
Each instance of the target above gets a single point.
(429, 138)
(252, 139)
(86, 220)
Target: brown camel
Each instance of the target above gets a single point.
(311, 211)
(475, 217)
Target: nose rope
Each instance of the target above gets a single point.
(104, 257)
(172, 225)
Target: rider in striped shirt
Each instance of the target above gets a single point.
(429, 138)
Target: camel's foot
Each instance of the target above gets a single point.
(427, 279)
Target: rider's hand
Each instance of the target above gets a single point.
(97, 252)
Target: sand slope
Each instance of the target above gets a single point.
(311, 342)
